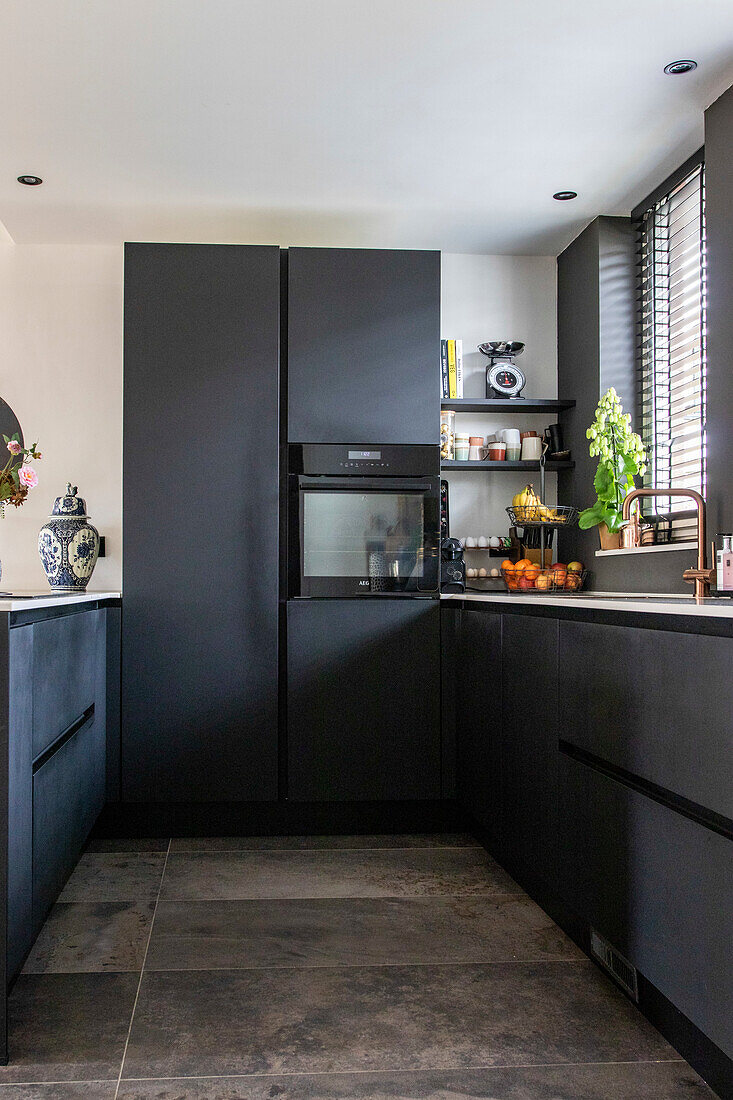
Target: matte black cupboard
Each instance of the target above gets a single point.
(58, 673)
(201, 508)
(363, 338)
(594, 761)
(219, 369)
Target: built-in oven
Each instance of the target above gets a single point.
(363, 521)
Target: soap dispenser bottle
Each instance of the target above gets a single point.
(724, 563)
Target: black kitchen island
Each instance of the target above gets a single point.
(59, 689)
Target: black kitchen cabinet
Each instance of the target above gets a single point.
(363, 346)
(658, 886)
(529, 739)
(59, 667)
(200, 557)
(68, 796)
(636, 699)
(363, 700)
(479, 720)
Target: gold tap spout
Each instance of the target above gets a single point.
(701, 576)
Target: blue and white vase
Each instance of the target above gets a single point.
(68, 544)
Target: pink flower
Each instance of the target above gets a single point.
(14, 447)
(28, 477)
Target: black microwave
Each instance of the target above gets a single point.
(363, 520)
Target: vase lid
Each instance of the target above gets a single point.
(70, 505)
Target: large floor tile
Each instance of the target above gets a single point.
(197, 1023)
(57, 1090)
(68, 1027)
(407, 873)
(645, 1081)
(127, 844)
(92, 937)
(305, 843)
(109, 876)
(334, 932)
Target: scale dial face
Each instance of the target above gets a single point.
(506, 378)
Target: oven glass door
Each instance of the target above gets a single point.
(367, 537)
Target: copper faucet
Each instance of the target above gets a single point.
(701, 576)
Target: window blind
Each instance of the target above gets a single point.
(671, 346)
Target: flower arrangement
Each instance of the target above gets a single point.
(16, 476)
(621, 456)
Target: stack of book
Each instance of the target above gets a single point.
(451, 368)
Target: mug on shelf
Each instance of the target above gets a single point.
(496, 451)
(531, 448)
(513, 444)
(462, 447)
(475, 447)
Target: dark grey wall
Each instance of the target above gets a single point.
(596, 343)
(719, 224)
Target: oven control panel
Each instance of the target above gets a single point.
(389, 460)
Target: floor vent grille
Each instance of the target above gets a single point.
(617, 966)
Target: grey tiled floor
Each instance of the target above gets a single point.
(319, 968)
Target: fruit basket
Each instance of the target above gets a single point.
(527, 578)
(543, 515)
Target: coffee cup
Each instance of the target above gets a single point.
(531, 448)
(496, 451)
(513, 444)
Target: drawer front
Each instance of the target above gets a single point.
(68, 795)
(653, 702)
(64, 661)
(658, 885)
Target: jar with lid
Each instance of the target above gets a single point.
(447, 435)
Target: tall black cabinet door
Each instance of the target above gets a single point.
(363, 346)
(200, 619)
(529, 753)
(363, 700)
(479, 720)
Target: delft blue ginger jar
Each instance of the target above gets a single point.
(68, 544)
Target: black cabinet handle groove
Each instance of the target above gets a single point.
(717, 823)
(61, 740)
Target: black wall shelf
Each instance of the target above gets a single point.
(486, 404)
(488, 464)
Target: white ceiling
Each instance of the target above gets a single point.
(392, 123)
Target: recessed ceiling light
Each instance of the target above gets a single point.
(30, 181)
(563, 196)
(677, 68)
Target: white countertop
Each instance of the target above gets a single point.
(34, 599)
(718, 608)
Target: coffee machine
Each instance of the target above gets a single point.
(452, 567)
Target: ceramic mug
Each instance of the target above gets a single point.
(513, 444)
(497, 452)
(531, 448)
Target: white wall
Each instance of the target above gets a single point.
(61, 372)
(498, 298)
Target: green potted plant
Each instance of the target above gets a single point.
(621, 457)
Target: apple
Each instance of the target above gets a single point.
(575, 567)
(526, 582)
(543, 581)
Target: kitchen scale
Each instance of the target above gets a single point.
(504, 379)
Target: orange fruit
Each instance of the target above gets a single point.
(532, 572)
(508, 565)
(522, 564)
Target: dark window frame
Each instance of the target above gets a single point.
(646, 316)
